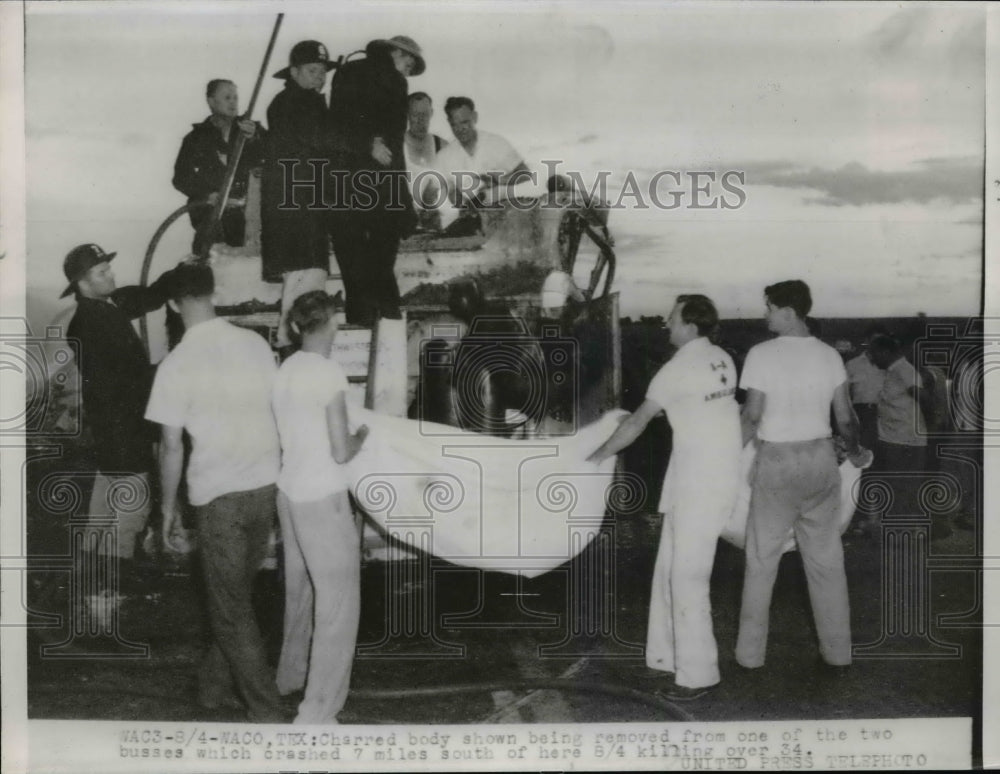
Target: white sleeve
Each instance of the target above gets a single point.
(168, 400)
(754, 375)
(503, 157)
(838, 373)
(662, 388)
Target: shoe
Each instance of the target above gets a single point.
(278, 715)
(675, 692)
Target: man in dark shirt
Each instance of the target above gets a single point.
(115, 373)
(368, 112)
(200, 169)
(295, 249)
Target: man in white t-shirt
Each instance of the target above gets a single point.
(696, 389)
(479, 160)
(791, 383)
(216, 385)
(321, 541)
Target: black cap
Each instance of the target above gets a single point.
(303, 53)
(79, 261)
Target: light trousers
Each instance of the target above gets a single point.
(795, 485)
(696, 505)
(322, 603)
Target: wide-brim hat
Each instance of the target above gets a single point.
(79, 261)
(410, 46)
(303, 53)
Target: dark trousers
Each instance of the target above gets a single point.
(868, 420)
(233, 530)
(230, 229)
(903, 468)
(365, 245)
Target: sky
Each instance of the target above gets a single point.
(858, 129)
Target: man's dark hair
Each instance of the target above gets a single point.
(700, 311)
(214, 84)
(790, 293)
(876, 329)
(881, 342)
(457, 103)
(190, 280)
(311, 311)
(419, 95)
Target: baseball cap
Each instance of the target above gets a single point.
(79, 261)
(303, 53)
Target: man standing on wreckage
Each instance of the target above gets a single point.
(372, 208)
(294, 247)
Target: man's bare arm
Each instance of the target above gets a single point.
(630, 429)
(847, 421)
(750, 415)
(171, 468)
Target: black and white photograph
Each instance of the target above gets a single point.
(494, 386)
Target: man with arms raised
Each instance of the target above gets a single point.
(115, 373)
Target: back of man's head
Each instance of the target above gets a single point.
(457, 103)
(191, 281)
(793, 294)
(884, 344)
(700, 311)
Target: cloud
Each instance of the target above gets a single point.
(899, 30)
(957, 180)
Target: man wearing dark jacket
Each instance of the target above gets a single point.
(372, 206)
(115, 372)
(294, 239)
(200, 168)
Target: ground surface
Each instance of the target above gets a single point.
(481, 634)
